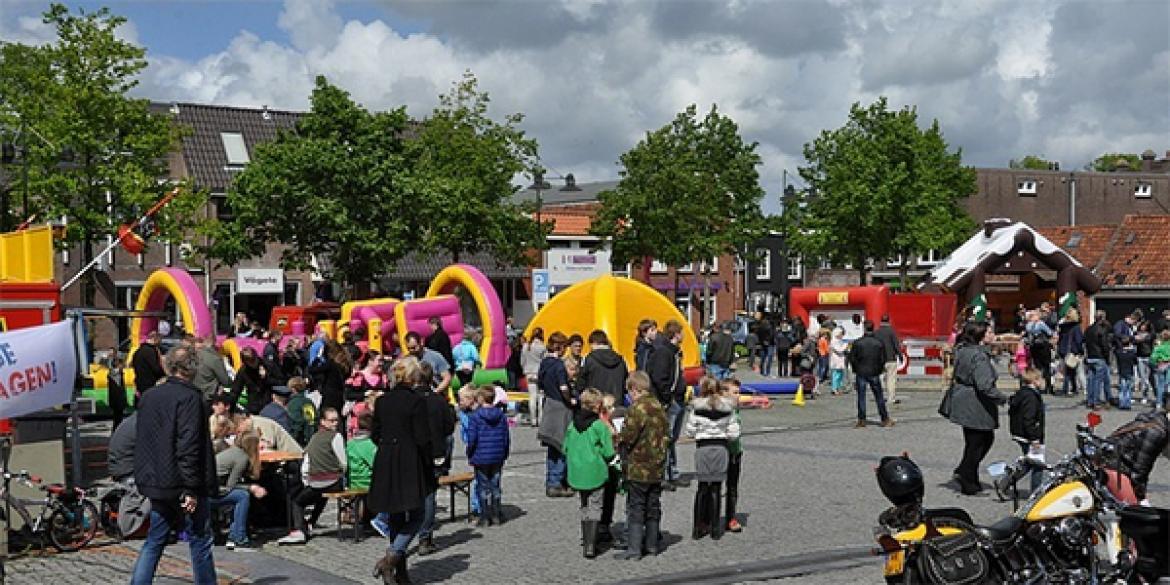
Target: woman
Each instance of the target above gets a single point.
(713, 425)
(557, 413)
(972, 401)
(332, 371)
(837, 347)
(530, 359)
(1070, 342)
(402, 467)
(254, 380)
(1144, 339)
(234, 466)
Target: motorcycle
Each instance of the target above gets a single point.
(1072, 529)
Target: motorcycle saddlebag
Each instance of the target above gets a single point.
(953, 560)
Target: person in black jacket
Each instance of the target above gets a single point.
(603, 369)
(147, 365)
(1139, 443)
(889, 339)
(720, 352)
(174, 466)
(332, 373)
(666, 378)
(868, 360)
(441, 419)
(254, 380)
(783, 340)
(439, 341)
(1098, 346)
(1026, 418)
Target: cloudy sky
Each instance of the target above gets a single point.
(1065, 79)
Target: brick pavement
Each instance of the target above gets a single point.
(807, 488)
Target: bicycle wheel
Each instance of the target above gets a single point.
(73, 525)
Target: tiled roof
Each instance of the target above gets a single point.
(557, 195)
(1139, 253)
(203, 148)
(570, 220)
(1087, 243)
(417, 266)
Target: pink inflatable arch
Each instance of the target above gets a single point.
(414, 316)
(160, 286)
(494, 348)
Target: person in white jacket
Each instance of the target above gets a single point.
(530, 356)
(713, 425)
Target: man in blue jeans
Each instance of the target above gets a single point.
(174, 466)
(868, 359)
(1097, 348)
(720, 352)
(670, 386)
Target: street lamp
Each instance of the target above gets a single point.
(540, 185)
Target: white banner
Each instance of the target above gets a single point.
(37, 368)
(259, 280)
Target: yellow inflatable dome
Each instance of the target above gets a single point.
(615, 306)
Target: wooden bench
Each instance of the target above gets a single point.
(355, 501)
(458, 482)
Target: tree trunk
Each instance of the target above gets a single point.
(904, 274)
(674, 299)
(706, 297)
(861, 271)
(88, 288)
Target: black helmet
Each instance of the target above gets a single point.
(900, 480)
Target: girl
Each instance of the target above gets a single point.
(530, 358)
(713, 426)
(838, 348)
(233, 466)
(1020, 360)
(588, 450)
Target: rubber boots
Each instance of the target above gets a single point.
(652, 538)
(589, 538)
(634, 535)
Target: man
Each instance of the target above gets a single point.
(270, 355)
(1126, 327)
(120, 451)
(666, 378)
(147, 365)
(174, 466)
(1050, 318)
(322, 472)
(1139, 443)
(1163, 322)
(603, 369)
(868, 358)
(211, 376)
(765, 335)
(272, 435)
(277, 410)
(1097, 347)
(439, 341)
(438, 363)
(720, 351)
(892, 349)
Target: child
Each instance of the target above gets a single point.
(467, 406)
(735, 461)
(823, 355)
(837, 350)
(588, 450)
(488, 443)
(643, 440)
(612, 415)
(359, 452)
(1126, 364)
(301, 411)
(808, 381)
(1026, 416)
(713, 426)
(1020, 359)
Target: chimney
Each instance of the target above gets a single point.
(1148, 160)
(265, 114)
(990, 226)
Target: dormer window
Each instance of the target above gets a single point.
(1143, 190)
(1026, 187)
(237, 151)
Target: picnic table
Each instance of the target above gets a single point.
(287, 462)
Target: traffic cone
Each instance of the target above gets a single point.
(798, 400)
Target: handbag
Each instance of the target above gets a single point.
(953, 560)
(944, 407)
(1071, 361)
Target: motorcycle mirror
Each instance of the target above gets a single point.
(1093, 419)
(997, 469)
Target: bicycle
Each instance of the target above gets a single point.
(67, 517)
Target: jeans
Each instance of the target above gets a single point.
(718, 372)
(874, 382)
(768, 354)
(1098, 391)
(427, 526)
(674, 416)
(822, 368)
(1070, 379)
(1143, 377)
(1160, 385)
(734, 467)
(554, 472)
(534, 398)
(165, 515)
(1037, 473)
(1124, 391)
(403, 526)
(239, 499)
(488, 479)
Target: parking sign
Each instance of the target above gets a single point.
(540, 285)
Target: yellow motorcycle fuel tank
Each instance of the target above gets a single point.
(1066, 499)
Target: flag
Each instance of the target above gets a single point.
(133, 236)
(979, 312)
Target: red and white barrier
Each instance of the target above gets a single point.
(922, 358)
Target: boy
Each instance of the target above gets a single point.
(643, 441)
(302, 413)
(1126, 364)
(467, 406)
(359, 452)
(488, 444)
(731, 389)
(588, 450)
(1026, 416)
(808, 381)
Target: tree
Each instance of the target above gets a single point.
(1033, 163)
(464, 166)
(91, 154)
(335, 190)
(880, 186)
(689, 192)
(1110, 162)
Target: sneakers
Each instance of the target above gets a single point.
(860, 425)
(380, 527)
(559, 492)
(294, 537)
(426, 546)
(242, 546)
(889, 422)
(733, 525)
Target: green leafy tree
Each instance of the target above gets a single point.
(90, 153)
(1031, 162)
(689, 192)
(1110, 162)
(335, 190)
(464, 164)
(881, 186)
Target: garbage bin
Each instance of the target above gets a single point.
(40, 426)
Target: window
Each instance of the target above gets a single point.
(931, 258)
(713, 264)
(688, 267)
(894, 261)
(658, 267)
(1143, 190)
(1026, 187)
(795, 267)
(237, 151)
(764, 264)
(826, 264)
(223, 209)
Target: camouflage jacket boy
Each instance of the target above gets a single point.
(644, 440)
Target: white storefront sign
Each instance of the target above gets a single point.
(572, 265)
(259, 280)
(37, 368)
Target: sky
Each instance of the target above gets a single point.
(1063, 79)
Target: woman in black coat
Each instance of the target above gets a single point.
(973, 401)
(333, 371)
(402, 467)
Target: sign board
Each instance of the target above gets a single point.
(37, 368)
(572, 265)
(259, 281)
(833, 298)
(540, 285)
(408, 295)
